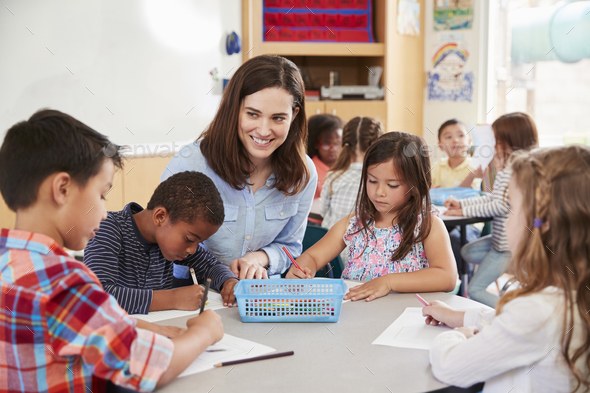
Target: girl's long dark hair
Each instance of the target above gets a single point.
(409, 157)
(220, 144)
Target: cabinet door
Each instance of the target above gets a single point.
(347, 110)
(141, 177)
(314, 108)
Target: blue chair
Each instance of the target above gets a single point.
(313, 233)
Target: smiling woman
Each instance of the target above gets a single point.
(254, 151)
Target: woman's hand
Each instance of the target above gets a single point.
(439, 313)
(251, 265)
(227, 292)
(370, 290)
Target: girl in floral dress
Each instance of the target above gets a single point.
(393, 239)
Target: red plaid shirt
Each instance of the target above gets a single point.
(59, 330)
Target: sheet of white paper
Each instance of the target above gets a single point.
(484, 142)
(214, 302)
(444, 217)
(410, 331)
(229, 348)
(351, 284)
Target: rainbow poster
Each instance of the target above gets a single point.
(448, 80)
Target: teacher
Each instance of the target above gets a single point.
(254, 151)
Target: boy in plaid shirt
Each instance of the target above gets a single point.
(59, 330)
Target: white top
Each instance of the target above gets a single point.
(339, 195)
(517, 351)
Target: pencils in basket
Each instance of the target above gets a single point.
(256, 358)
(292, 259)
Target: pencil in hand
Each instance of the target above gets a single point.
(195, 281)
(207, 284)
(292, 259)
(424, 302)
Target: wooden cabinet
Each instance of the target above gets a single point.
(402, 59)
(347, 110)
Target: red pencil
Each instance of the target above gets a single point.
(424, 302)
(292, 260)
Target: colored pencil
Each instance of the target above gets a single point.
(207, 284)
(256, 358)
(424, 302)
(292, 259)
(195, 281)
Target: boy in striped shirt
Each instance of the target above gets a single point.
(59, 330)
(134, 252)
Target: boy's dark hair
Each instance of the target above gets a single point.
(49, 142)
(449, 123)
(189, 196)
(316, 126)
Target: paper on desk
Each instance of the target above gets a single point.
(229, 348)
(351, 284)
(410, 331)
(214, 302)
(484, 142)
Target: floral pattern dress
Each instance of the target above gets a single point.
(374, 261)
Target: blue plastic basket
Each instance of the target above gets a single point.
(316, 300)
(438, 196)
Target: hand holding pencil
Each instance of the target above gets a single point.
(297, 271)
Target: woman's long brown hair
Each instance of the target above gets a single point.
(220, 144)
(409, 157)
(555, 183)
(357, 136)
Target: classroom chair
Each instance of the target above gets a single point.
(313, 233)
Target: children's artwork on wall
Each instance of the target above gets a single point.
(448, 81)
(453, 14)
(408, 17)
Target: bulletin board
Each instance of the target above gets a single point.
(318, 20)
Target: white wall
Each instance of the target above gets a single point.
(132, 69)
(437, 112)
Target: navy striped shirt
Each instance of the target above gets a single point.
(130, 268)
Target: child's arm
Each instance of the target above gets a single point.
(440, 276)
(207, 266)
(101, 255)
(326, 249)
(203, 331)
(522, 335)
(168, 331)
(468, 181)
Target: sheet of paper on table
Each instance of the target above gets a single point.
(442, 210)
(229, 348)
(214, 302)
(410, 331)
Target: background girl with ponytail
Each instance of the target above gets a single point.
(538, 338)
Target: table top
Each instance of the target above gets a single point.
(459, 220)
(328, 356)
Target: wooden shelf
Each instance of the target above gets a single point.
(323, 49)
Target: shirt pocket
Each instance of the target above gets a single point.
(276, 217)
(222, 243)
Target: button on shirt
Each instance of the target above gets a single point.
(266, 220)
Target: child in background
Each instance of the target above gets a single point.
(392, 239)
(134, 251)
(513, 131)
(60, 331)
(323, 144)
(453, 170)
(343, 180)
(537, 338)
